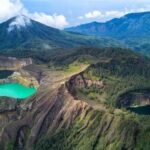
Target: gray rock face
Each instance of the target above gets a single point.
(11, 63)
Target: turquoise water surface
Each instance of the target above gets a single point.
(15, 90)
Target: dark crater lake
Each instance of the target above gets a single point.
(5, 73)
(142, 110)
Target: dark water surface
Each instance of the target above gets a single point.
(5, 73)
(142, 110)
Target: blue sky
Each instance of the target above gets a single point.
(73, 9)
(63, 13)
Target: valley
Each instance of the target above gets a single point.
(58, 115)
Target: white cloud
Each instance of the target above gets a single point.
(102, 15)
(93, 14)
(11, 8)
(107, 15)
(58, 21)
(20, 21)
(81, 17)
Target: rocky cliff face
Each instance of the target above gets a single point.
(134, 98)
(80, 81)
(20, 75)
(11, 63)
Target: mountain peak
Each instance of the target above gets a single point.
(18, 22)
(137, 14)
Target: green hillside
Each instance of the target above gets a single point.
(115, 78)
(120, 71)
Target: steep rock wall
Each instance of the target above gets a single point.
(11, 63)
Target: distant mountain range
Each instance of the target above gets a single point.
(23, 33)
(25, 37)
(133, 29)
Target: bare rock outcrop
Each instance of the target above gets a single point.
(11, 63)
(79, 81)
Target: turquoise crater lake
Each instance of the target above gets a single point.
(15, 90)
